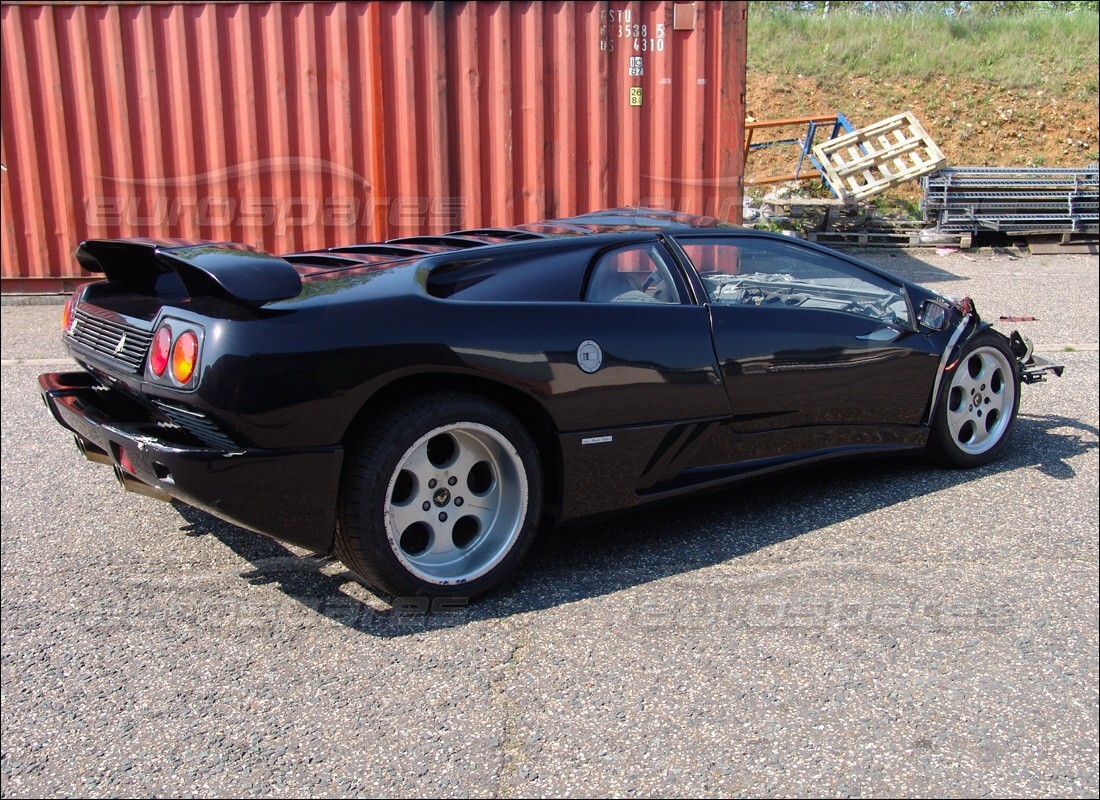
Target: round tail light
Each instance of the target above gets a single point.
(159, 352)
(185, 355)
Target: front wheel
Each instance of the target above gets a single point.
(441, 498)
(977, 409)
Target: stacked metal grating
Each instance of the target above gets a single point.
(1012, 199)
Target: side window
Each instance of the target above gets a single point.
(635, 274)
(757, 272)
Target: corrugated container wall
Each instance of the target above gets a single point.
(294, 126)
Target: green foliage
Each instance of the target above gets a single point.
(769, 225)
(888, 205)
(1014, 45)
(952, 8)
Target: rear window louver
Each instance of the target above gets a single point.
(322, 260)
(447, 240)
(501, 233)
(396, 251)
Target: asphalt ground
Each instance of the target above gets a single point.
(868, 629)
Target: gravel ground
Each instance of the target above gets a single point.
(873, 629)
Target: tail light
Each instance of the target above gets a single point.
(174, 354)
(67, 313)
(185, 355)
(160, 350)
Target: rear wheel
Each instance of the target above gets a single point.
(977, 409)
(441, 498)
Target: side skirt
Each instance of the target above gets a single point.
(613, 470)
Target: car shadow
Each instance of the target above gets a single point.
(582, 561)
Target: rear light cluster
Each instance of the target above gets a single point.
(67, 314)
(174, 353)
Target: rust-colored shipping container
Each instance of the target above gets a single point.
(302, 125)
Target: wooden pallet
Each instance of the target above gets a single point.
(879, 225)
(1063, 243)
(868, 161)
(962, 241)
(863, 238)
(830, 210)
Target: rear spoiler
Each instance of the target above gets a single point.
(236, 272)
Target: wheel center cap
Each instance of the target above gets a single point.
(442, 497)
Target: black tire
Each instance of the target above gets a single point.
(441, 498)
(978, 403)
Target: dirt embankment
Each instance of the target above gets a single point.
(974, 124)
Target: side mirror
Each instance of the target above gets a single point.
(933, 315)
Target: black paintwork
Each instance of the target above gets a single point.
(693, 395)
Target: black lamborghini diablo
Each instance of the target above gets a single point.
(420, 406)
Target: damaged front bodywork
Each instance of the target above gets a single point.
(1033, 368)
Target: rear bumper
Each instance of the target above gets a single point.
(290, 495)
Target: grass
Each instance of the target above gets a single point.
(1016, 52)
(889, 205)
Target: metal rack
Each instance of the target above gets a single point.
(1013, 199)
(831, 126)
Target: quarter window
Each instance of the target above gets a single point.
(637, 274)
(765, 272)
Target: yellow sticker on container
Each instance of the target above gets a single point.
(635, 95)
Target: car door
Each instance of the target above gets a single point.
(646, 355)
(636, 386)
(810, 344)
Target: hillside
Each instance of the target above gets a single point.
(1016, 99)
